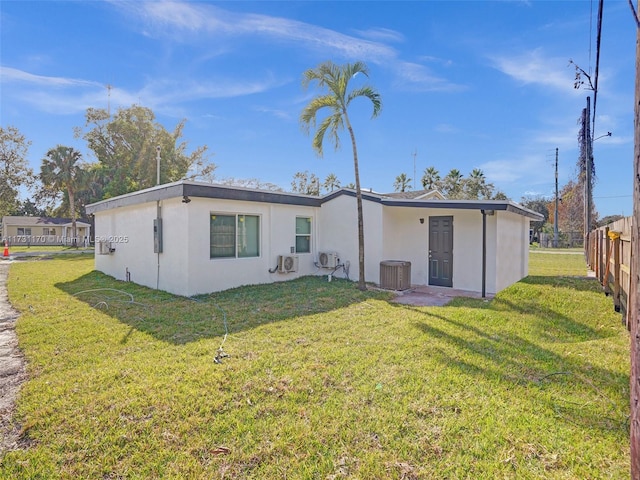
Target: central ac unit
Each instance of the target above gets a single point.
(287, 263)
(328, 259)
(103, 247)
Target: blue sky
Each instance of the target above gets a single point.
(465, 85)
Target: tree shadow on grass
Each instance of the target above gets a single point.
(469, 343)
(579, 283)
(180, 320)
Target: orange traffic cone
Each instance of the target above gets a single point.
(6, 249)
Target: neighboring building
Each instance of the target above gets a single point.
(33, 231)
(190, 238)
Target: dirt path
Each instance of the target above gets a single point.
(12, 366)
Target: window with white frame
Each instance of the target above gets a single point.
(234, 236)
(24, 231)
(303, 234)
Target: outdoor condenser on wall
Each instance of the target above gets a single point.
(157, 235)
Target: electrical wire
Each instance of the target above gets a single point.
(220, 353)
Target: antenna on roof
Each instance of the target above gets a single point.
(415, 154)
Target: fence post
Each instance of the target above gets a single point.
(615, 236)
(607, 259)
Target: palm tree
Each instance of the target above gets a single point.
(402, 183)
(476, 184)
(331, 182)
(452, 183)
(431, 178)
(335, 79)
(59, 172)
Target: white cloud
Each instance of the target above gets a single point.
(381, 34)
(534, 68)
(8, 74)
(414, 76)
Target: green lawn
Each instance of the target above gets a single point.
(45, 248)
(322, 382)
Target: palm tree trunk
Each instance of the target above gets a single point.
(72, 207)
(361, 277)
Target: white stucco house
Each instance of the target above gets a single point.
(40, 231)
(191, 238)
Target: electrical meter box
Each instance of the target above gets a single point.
(157, 235)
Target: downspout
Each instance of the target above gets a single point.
(484, 253)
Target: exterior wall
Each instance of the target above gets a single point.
(391, 233)
(512, 243)
(405, 238)
(278, 235)
(338, 232)
(130, 231)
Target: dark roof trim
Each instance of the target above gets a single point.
(466, 205)
(26, 220)
(201, 190)
(207, 190)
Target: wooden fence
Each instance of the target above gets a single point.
(608, 253)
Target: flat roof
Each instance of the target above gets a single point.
(186, 188)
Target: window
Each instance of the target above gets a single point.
(24, 231)
(234, 236)
(303, 234)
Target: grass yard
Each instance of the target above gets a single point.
(45, 248)
(322, 382)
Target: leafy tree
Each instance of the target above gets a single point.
(452, 184)
(331, 183)
(306, 183)
(60, 172)
(475, 187)
(250, 183)
(126, 147)
(431, 179)
(537, 204)
(608, 219)
(29, 208)
(350, 185)
(335, 80)
(402, 183)
(14, 169)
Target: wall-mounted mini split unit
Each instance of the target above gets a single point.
(328, 259)
(103, 247)
(287, 263)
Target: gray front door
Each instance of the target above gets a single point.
(441, 251)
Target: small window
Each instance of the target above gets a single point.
(303, 234)
(24, 231)
(45, 231)
(234, 236)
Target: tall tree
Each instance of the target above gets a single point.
(331, 183)
(335, 80)
(60, 172)
(476, 186)
(126, 144)
(402, 183)
(537, 204)
(306, 183)
(14, 169)
(431, 179)
(452, 184)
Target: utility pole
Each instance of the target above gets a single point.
(588, 147)
(634, 292)
(555, 214)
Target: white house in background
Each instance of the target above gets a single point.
(34, 231)
(190, 238)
